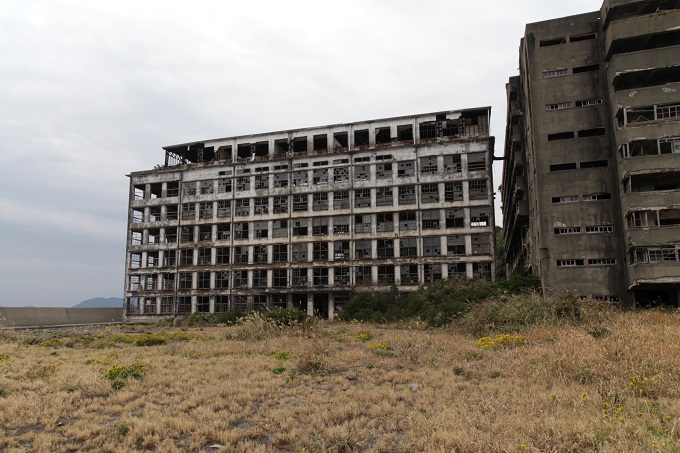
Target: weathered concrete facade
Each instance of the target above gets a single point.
(302, 218)
(591, 181)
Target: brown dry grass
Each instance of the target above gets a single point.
(404, 390)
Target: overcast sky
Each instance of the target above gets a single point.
(91, 90)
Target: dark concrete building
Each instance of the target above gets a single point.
(591, 180)
(302, 218)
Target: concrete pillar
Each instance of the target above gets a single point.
(310, 304)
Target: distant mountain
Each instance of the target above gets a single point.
(101, 302)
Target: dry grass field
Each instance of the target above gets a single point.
(611, 385)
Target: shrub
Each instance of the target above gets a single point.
(43, 371)
(149, 339)
(196, 319)
(229, 318)
(501, 341)
(283, 316)
(519, 284)
(363, 336)
(119, 374)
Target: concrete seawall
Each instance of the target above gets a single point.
(12, 317)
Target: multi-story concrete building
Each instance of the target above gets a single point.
(591, 180)
(302, 218)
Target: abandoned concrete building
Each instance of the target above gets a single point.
(302, 218)
(591, 178)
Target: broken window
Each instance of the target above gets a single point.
(281, 148)
(363, 275)
(406, 169)
(452, 164)
(597, 196)
(206, 210)
(186, 257)
(261, 206)
(570, 263)
(261, 150)
(152, 259)
(320, 276)
(428, 165)
(409, 274)
(320, 226)
(223, 231)
(481, 244)
(242, 207)
(300, 178)
(457, 270)
(341, 225)
(479, 217)
(407, 221)
(203, 280)
(476, 161)
(481, 271)
(137, 216)
(429, 193)
(432, 246)
(383, 196)
(241, 254)
(407, 195)
(204, 256)
(653, 182)
(261, 182)
(241, 230)
(279, 253)
(405, 133)
(384, 222)
(320, 201)
(361, 138)
(171, 212)
(478, 189)
(221, 279)
(386, 275)
(341, 276)
(300, 202)
(207, 187)
(385, 248)
(134, 283)
(450, 128)
(186, 234)
(320, 177)
(169, 258)
(320, 251)
(240, 279)
(189, 189)
(243, 151)
(559, 106)
(340, 140)
(566, 199)
(455, 218)
(224, 185)
(453, 191)
(185, 280)
(341, 250)
(167, 304)
(341, 200)
(222, 255)
(281, 204)
(455, 245)
(362, 249)
(362, 172)
(432, 272)
(430, 220)
(300, 227)
(280, 278)
(281, 180)
(362, 198)
(259, 278)
(261, 229)
(428, 130)
(320, 142)
(172, 189)
(299, 277)
(341, 174)
(362, 223)
(383, 171)
(243, 183)
(155, 214)
(408, 247)
(170, 235)
(280, 228)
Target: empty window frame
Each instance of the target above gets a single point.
(207, 187)
(203, 280)
(459, 270)
(279, 253)
(455, 218)
(406, 169)
(222, 256)
(586, 68)
(405, 133)
(476, 161)
(204, 256)
(320, 177)
(341, 250)
(588, 102)
(453, 191)
(320, 142)
(362, 198)
(281, 180)
(261, 206)
(565, 199)
(340, 140)
(481, 244)
(597, 197)
(408, 247)
(300, 178)
(261, 229)
(430, 220)
(594, 132)
(481, 271)
(320, 201)
(243, 183)
(280, 204)
(172, 189)
(383, 196)
(206, 210)
(361, 138)
(563, 167)
(409, 274)
(300, 145)
(169, 258)
(552, 41)
(152, 259)
(280, 228)
(222, 279)
(167, 304)
(341, 225)
(188, 211)
(241, 254)
(363, 275)
(599, 229)
(240, 279)
(185, 280)
(242, 207)
(479, 217)
(407, 195)
(341, 174)
(154, 214)
(550, 73)
(429, 193)
(300, 252)
(560, 136)
(189, 188)
(320, 251)
(300, 203)
(241, 230)
(341, 200)
(259, 278)
(186, 257)
(382, 135)
(320, 276)
(261, 182)
(171, 212)
(280, 278)
(594, 164)
(341, 277)
(362, 172)
(385, 248)
(428, 130)
(567, 230)
(570, 263)
(386, 275)
(362, 249)
(186, 235)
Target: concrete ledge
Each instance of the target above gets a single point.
(11, 317)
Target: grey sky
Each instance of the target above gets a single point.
(91, 90)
